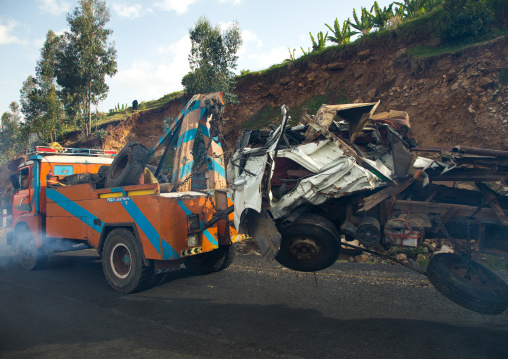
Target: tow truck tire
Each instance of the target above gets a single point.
(484, 292)
(30, 257)
(310, 244)
(127, 166)
(209, 262)
(122, 262)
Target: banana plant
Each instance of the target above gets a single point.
(305, 53)
(380, 17)
(432, 4)
(341, 36)
(363, 24)
(412, 8)
(292, 56)
(321, 41)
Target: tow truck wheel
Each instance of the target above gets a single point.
(479, 290)
(310, 244)
(209, 262)
(122, 263)
(30, 257)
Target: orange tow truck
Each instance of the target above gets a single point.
(68, 199)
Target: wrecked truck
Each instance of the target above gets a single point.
(347, 171)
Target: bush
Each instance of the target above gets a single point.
(101, 134)
(466, 18)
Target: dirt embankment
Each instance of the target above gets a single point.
(455, 98)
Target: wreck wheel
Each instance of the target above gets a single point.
(471, 286)
(310, 244)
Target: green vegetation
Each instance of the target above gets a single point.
(69, 78)
(265, 116)
(212, 59)
(321, 41)
(503, 77)
(268, 114)
(11, 135)
(496, 262)
(451, 21)
(364, 23)
(341, 35)
(84, 60)
(465, 18)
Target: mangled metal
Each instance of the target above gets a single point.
(346, 151)
(347, 171)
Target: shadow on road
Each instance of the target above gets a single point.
(70, 310)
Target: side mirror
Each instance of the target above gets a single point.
(15, 181)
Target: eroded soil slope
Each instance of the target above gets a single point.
(458, 98)
(455, 98)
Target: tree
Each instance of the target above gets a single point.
(40, 103)
(51, 107)
(10, 139)
(341, 36)
(86, 59)
(212, 58)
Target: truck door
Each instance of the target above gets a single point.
(21, 201)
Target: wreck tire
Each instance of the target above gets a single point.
(122, 262)
(209, 262)
(483, 292)
(310, 244)
(127, 166)
(30, 257)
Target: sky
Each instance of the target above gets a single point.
(152, 41)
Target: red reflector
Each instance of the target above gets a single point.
(45, 149)
(110, 152)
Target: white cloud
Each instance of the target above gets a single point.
(234, 2)
(178, 6)
(129, 11)
(252, 55)
(145, 80)
(248, 38)
(6, 29)
(54, 7)
(259, 60)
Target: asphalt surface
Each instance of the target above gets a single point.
(253, 309)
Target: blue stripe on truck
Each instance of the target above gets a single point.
(74, 209)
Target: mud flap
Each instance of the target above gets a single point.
(261, 227)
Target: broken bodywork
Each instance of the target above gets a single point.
(298, 190)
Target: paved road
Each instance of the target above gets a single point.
(251, 310)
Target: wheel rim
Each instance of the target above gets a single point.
(121, 260)
(305, 249)
(27, 252)
(474, 277)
